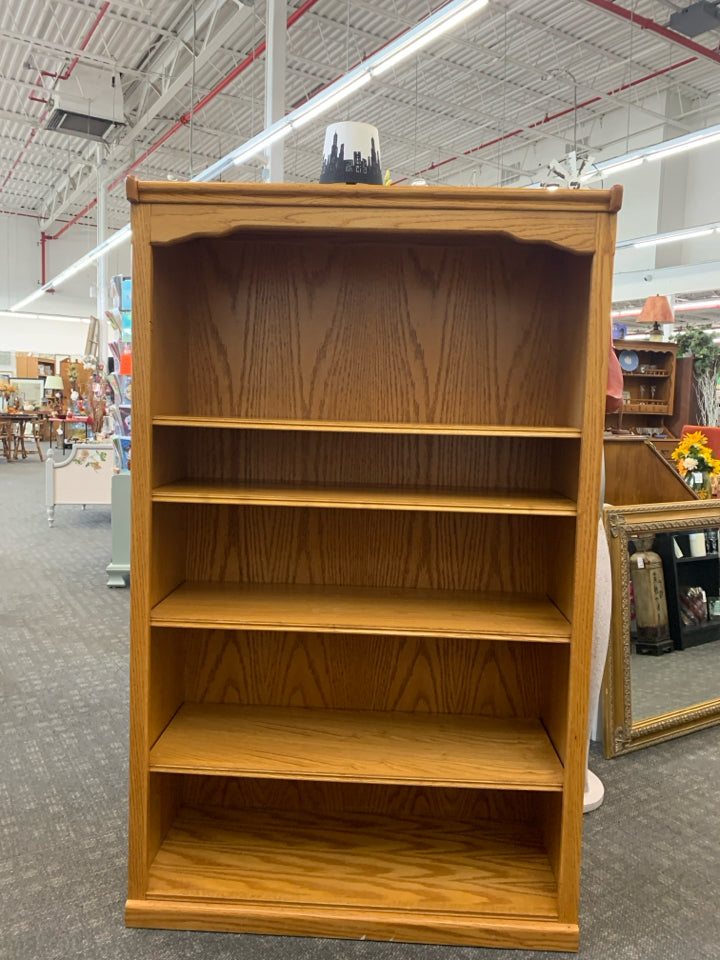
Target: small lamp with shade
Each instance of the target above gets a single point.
(55, 387)
(656, 310)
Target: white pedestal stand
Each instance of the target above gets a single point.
(594, 790)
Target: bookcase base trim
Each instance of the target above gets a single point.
(353, 924)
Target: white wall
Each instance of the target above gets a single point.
(21, 274)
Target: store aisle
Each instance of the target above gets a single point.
(651, 853)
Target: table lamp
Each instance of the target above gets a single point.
(54, 385)
(656, 310)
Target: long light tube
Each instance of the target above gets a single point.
(441, 21)
(115, 240)
(427, 30)
(671, 236)
(680, 235)
(9, 315)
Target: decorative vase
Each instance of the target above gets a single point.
(651, 615)
(700, 482)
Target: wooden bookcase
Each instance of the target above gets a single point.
(367, 435)
(650, 387)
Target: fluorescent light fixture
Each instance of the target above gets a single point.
(697, 305)
(425, 32)
(672, 238)
(623, 165)
(117, 238)
(321, 102)
(8, 314)
(677, 308)
(685, 233)
(262, 141)
(441, 21)
(690, 144)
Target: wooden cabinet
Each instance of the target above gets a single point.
(367, 442)
(649, 387)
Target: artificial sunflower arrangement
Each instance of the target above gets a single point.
(695, 461)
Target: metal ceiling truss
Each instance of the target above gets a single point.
(517, 79)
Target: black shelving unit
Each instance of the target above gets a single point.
(688, 571)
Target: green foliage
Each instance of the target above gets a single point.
(699, 344)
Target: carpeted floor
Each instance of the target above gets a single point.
(651, 867)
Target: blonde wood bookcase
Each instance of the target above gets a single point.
(367, 433)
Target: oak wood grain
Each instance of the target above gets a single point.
(330, 382)
(371, 548)
(500, 465)
(306, 607)
(414, 864)
(363, 426)
(360, 672)
(356, 924)
(364, 498)
(361, 746)
(382, 332)
(637, 473)
(391, 800)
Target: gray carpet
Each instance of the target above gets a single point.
(674, 680)
(651, 869)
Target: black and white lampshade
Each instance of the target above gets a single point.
(351, 154)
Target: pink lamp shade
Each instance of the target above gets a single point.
(656, 310)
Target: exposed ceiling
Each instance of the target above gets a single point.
(481, 105)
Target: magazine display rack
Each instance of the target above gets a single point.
(367, 444)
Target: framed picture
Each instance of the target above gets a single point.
(31, 390)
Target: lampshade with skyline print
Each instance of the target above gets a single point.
(351, 154)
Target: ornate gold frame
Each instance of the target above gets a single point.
(620, 734)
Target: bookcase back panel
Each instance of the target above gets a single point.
(351, 672)
(309, 327)
(279, 456)
(371, 549)
(328, 798)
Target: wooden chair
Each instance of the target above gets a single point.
(28, 433)
(6, 439)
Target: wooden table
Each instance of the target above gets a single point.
(19, 419)
(55, 431)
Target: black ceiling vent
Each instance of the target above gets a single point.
(79, 124)
(696, 19)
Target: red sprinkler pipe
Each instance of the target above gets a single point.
(185, 118)
(83, 46)
(62, 76)
(645, 23)
(548, 117)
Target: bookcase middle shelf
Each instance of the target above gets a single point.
(361, 746)
(400, 611)
(366, 497)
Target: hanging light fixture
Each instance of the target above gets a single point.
(656, 310)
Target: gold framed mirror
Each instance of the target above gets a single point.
(650, 698)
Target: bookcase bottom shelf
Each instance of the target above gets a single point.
(419, 879)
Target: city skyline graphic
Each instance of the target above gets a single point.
(337, 168)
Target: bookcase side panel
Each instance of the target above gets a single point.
(585, 561)
(141, 560)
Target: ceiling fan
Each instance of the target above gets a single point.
(571, 172)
